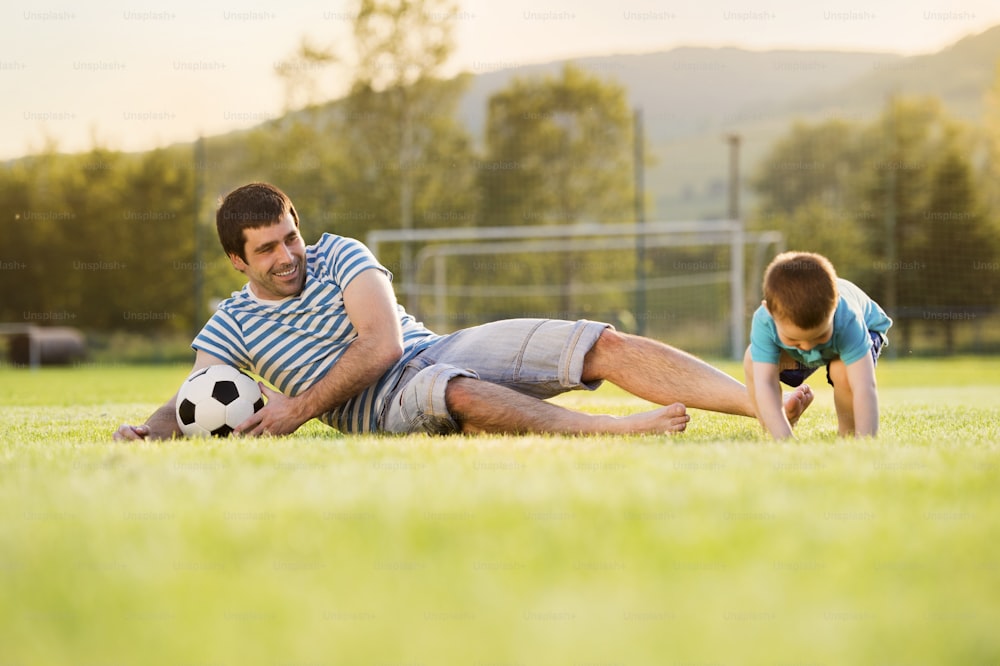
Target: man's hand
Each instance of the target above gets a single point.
(280, 416)
(162, 424)
(128, 432)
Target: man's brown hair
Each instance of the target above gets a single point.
(249, 207)
(802, 288)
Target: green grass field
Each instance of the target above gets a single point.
(714, 547)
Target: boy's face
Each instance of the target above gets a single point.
(275, 259)
(803, 338)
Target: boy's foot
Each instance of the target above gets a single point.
(797, 402)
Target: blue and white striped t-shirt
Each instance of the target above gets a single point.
(294, 342)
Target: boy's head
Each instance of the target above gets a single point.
(800, 292)
(249, 207)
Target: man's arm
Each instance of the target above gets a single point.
(162, 424)
(861, 377)
(767, 399)
(371, 307)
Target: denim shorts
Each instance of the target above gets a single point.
(795, 376)
(537, 357)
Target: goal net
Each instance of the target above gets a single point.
(685, 283)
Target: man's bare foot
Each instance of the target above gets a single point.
(797, 402)
(670, 419)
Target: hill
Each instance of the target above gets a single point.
(687, 90)
(692, 97)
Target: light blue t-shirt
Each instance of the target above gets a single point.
(293, 343)
(856, 315)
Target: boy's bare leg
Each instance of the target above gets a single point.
(843, 398)
(663, 374)
(480, 406)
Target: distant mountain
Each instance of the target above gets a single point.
(691, 97)
(959, 74)
(690, 89)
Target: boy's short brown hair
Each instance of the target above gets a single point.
(249, 207)
(802, 288)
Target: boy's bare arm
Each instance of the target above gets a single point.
(861, 377)
(767, 397)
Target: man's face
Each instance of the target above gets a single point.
(275, 259)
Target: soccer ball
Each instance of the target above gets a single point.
(216, 399)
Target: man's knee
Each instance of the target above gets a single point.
(598, 362)
(422, 404)
(458, 394)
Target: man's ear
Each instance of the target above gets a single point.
(237, 262)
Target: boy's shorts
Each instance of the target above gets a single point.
(538, 357)
(795, 376)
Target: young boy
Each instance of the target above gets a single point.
(809, 317)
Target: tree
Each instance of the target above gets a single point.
(952, 248)
(397, 111)
(811, 164)
(391, 151)
(21, 250)
(991, 124)
(804, 188)
(558, 151)
(895, 206)
(913, 187)
(300, 74)
(155, 207)
(399, 115)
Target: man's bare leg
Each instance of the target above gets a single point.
(480, 406)
(663, 374)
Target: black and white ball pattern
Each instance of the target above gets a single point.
(214, 400)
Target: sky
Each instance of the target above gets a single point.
(147, 74)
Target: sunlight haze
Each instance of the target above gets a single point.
(134, 78)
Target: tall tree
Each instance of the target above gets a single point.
(811, 164)
(953, 248)
(397, 109)
(805, 190)
(894, 204)
(392, 151)
(991, 124)
(559, 151)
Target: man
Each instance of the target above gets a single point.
(321, 324)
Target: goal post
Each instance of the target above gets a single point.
(692, 279)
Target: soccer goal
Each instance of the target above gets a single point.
(691, 284)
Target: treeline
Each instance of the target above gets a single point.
(907, 204)
(105, 240)
(101, 240)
